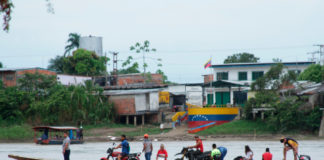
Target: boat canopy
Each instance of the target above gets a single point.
(57, 128)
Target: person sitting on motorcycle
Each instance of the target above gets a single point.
(289, 144)
(124, 145)
(199, 146)
(162, 153)
(215, 153)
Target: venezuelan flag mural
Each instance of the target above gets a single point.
(203, 118)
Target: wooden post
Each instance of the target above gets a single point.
(135, 123)
(127, 119)
(143, 119)
(262, 115)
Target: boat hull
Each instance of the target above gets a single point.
(57, 142)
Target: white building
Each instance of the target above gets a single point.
(237, 77)
(185, 93)
(68, 80)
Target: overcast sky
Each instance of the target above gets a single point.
(186, 33)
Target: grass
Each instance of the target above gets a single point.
(238, 127)
(110, 125)
(16, 132)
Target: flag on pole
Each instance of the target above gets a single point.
(208, 64)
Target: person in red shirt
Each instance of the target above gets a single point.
(162, 153)
(199, 145)
(267, 155)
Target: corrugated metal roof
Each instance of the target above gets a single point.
(260, 64)
(20, 69)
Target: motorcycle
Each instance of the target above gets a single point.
(113, 155)
(191, 154)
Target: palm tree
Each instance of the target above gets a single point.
(73, 42)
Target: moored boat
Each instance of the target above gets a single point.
(54, 134)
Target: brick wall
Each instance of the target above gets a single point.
(34, 70)
(208, 78)
(8, 78)
(123, 104)
(138, 79)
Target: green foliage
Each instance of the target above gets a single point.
(288, 116)
(82, 62)
(239, 127)
(144, 49)
(16, 132)
(73, 42)
(39, 99)
(57, 64)
(272, 79)
(313, 73)
(241, 58)
(129, 66)
(1, 65)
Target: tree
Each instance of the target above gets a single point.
(1, 65)
(6, 7)
(312, 73)
(129, 66)
(56, 64)
(241, 58)
(73, 43)
(84, 62)
(144, 49)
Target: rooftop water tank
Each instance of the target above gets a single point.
(91, 43)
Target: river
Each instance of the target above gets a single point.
(89, 151)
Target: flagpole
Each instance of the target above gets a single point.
(211, 71)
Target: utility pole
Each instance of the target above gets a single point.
(313, 59)
(115, 70)
(321, 46)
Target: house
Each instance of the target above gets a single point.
(233, 80)
(182, 94)
(137, 105)
(10, 76)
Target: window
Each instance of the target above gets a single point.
(242, 76)
(9, 77)
(222, 75)
(256, 75)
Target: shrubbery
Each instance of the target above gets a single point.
(40, 99)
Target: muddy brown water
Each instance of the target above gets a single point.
(94, 151)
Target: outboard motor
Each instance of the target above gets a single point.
(304, 157)
(239, 158)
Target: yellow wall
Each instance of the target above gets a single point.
(164, 97)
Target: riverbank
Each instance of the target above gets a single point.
(240, 130)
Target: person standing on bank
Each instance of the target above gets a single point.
(147, 147)
(66, 146)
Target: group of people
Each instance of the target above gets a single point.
(217, 153)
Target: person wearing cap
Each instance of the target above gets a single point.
(147, 147)
(162, 153)
(289, 144)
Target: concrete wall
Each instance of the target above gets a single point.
(140, 102)
(193, 93)
(154, 101)
(8, 78)
(72, 79)
(123, 104)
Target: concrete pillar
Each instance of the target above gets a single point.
(127, 119)
(135, 121)
(143, 119)
(321, 130)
